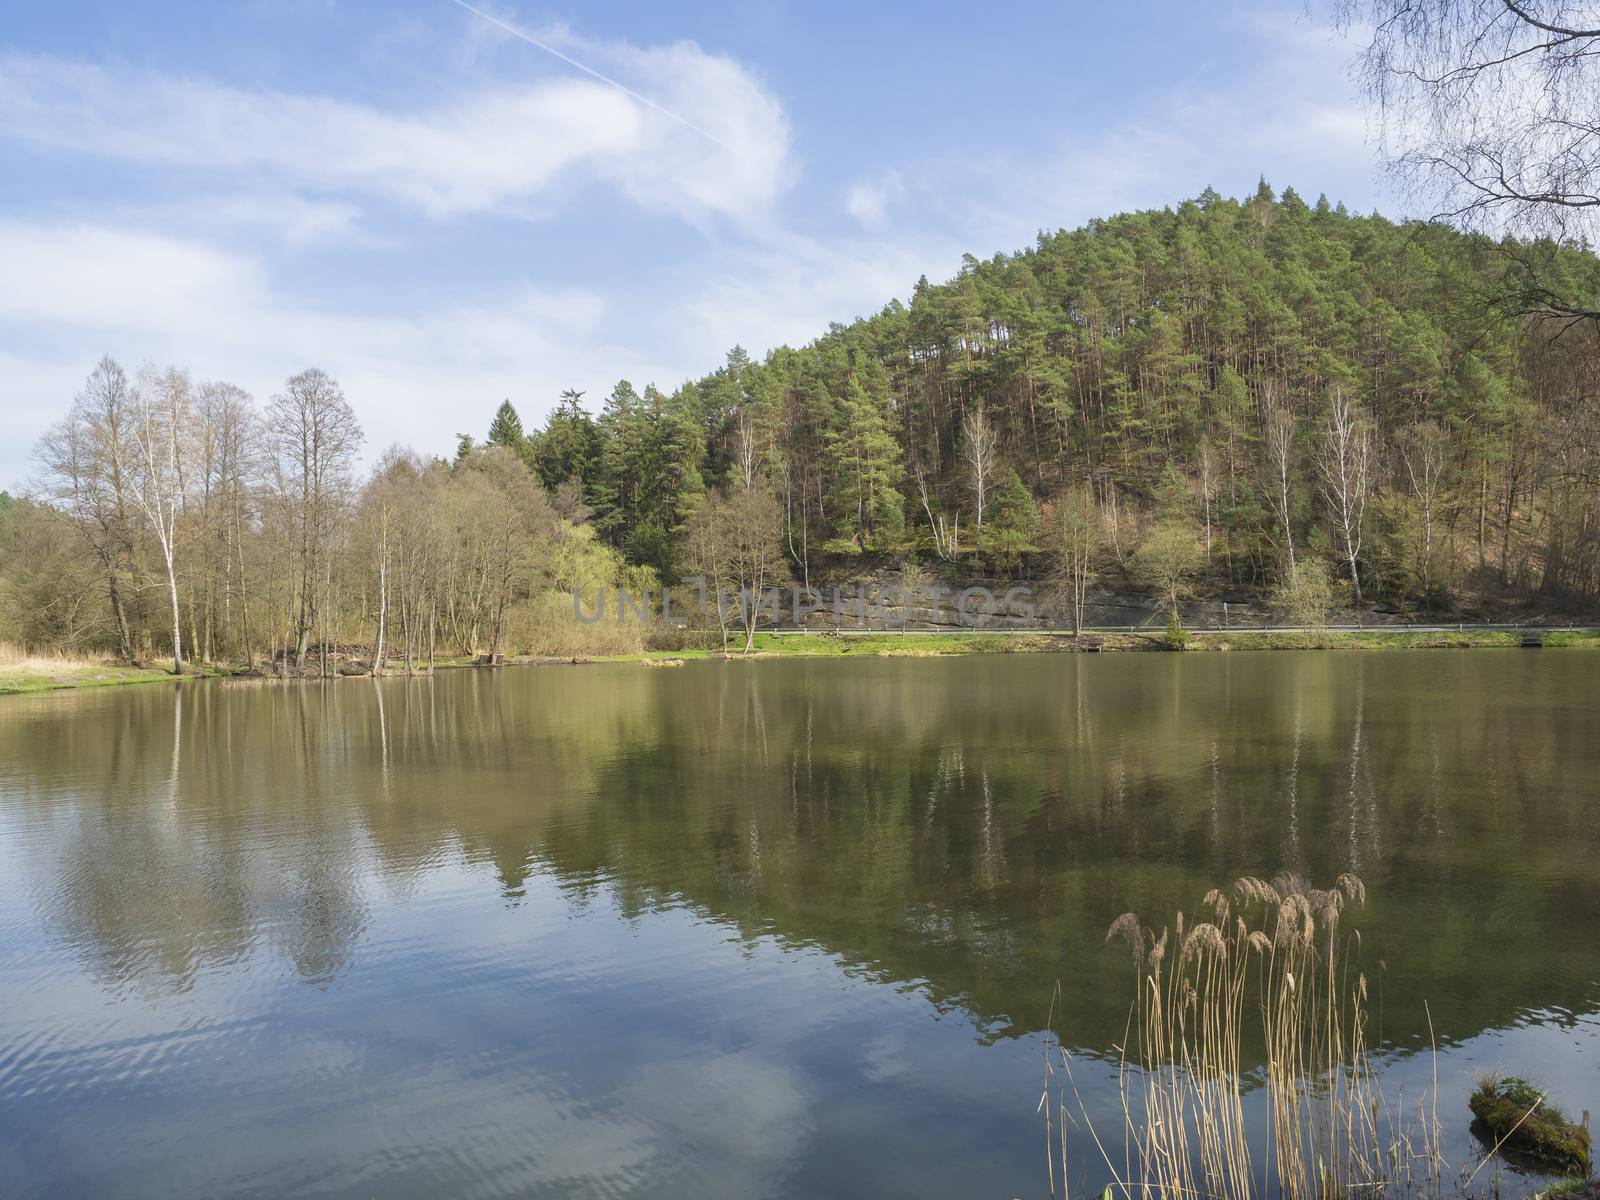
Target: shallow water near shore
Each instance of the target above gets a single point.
(785, 928)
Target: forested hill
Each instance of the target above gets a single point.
(1260, 396)
(1292, 380)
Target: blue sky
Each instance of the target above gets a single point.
(444, 215)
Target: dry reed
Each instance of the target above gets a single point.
(1269, 960)
(19, 657)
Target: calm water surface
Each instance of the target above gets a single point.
(751, 929)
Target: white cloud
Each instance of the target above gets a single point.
(744, 173)
(868, 200)
(293, 219)
(496, 146)
(1285, 109)
(101, 279)
(299, 166)
(787, 290)
(71, 293)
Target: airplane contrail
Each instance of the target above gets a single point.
(572, 62)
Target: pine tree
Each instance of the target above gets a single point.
(1013, 526)
(865, 460)
(506, 428)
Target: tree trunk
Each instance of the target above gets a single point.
(383, 598)
(119, 615)
(177, 618)
(244, 603)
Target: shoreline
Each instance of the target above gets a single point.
(911, 644)
(936, 644)
(26, 682)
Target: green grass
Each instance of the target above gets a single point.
(1571, 1186)
(816, 645)
(926, 645)
(14, 681)
(20, 674)
(889, 644)
(1572, 639)
(646, 656)
(1360, 640)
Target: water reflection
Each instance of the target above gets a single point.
(514, 892)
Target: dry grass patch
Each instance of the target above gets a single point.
(25, 668)
(17, 657)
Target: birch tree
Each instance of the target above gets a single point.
(156, 464)
(1076, 539)
(1344, 462)
(1423, 453)
(1280, 451)
(980, 452)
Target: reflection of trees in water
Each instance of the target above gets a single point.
(971, 826)
(183, 830)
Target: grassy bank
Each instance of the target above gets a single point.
(22, 671)
(1397, 639)
(1573, 639)
(931, 645)
(876, 645)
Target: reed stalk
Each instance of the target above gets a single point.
(1264, 971)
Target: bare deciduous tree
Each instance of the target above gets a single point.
(1423, 451)
(1490, 113)
(82, 459)
(315, 438)
(980, 451)
(1279, 425)
(156, 464)
(736, 542)
(223, 432)
(747, 448)
(1167, 559)
(946, 533)
(1344, 462)
(1075, 535)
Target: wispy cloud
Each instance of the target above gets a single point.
(524, 36)
(494, 145)
(418, 376)
(194, 266)
(868, 200)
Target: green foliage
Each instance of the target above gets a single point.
(506, 429)
(1012, 528)
(865, 461)
(1582, 639)
(1167, 559)
(1144, 352)
(569, 447)
(1306, 593)
(648, 473)
(651, 546)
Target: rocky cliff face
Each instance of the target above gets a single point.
(891, 597)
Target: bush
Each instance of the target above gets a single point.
(1306, 594)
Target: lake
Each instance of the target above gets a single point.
(774, 928)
